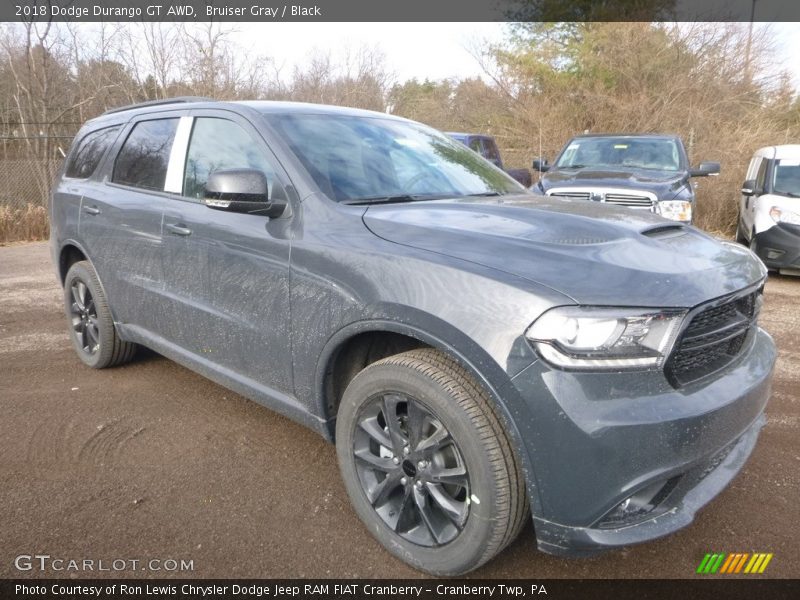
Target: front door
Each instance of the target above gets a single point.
(227, 273)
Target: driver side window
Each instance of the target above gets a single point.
(221, 144)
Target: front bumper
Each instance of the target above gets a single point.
(597, 439)
(779, 247)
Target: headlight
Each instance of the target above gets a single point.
(677, 210)
(781, 215)
(577, 337)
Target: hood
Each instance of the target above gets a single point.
(593, 253)
(665, 184)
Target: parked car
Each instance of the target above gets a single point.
(487, 148)
(478, 354)
(769, 207)
(646, 172)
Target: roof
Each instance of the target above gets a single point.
(307, 108)
(161, 102)
(784, 151)
(661, 136)
(458, 134)
(123, 113)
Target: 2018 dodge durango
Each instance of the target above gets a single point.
(479, 355)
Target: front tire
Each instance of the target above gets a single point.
(89, 319)
(427, 463)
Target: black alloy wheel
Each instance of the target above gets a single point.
(91, 325)
(83, 313)
(411, 470)
(428, 464)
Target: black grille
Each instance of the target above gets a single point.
(713, 339)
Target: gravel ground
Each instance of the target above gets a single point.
(151, 461)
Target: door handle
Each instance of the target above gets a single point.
(91, 210)
(178, 229)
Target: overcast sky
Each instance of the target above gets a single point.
(432, 50)
(423, 50)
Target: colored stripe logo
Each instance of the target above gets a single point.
(732, 563)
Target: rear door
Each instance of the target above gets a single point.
(79, 178)
(227, 273)
(121, 219)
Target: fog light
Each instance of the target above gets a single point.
(637, 506)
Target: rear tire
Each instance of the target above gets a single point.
(740, 237)
(427, 463)
(89, 320)
(753, 244)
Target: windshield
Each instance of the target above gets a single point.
(353, 158)
(787, 178)
(640, 153)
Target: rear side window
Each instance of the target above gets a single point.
(89, 151)
(142, 162)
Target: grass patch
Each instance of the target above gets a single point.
(26, 224)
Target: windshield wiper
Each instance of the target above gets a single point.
(790, 194)
(393, 199)
(484, 194)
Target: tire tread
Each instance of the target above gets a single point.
(474, 400)
(121, 351)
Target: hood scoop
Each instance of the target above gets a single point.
(661, 232)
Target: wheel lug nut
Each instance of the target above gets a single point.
(418, 485)
(395, 460)
(403, 481)
(422, 464)
(406, 450)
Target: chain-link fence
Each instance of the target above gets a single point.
(27, 172)
(24, 190)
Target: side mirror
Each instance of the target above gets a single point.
(749, 188)
(705, 169)
(244, 191)
(540, 164)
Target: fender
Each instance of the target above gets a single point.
(79, 246)
(492, 378)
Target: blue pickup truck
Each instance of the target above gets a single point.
(487, 148)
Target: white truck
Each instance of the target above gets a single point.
(769, 208)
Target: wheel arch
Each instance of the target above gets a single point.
(68, 255)
(474, 359)
(71, 252)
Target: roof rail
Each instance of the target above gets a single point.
(176, 100)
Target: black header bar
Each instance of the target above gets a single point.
(398, 10)
(730, 588)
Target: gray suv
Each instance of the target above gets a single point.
(479, 355)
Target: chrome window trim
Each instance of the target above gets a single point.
(177, 156)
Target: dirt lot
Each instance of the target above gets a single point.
(150, 461)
